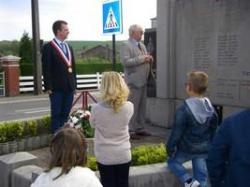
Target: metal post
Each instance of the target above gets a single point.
(36, 48)
(114, 52)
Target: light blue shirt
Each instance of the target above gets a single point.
(62, 44)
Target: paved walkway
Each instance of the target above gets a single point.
(159, 135)
(28, 106)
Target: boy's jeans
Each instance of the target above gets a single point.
(198, 166)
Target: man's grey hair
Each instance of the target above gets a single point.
(134, 28)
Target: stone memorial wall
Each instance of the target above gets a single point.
(214, 36)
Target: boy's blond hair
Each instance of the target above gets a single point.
(114, 90)
(198, 80)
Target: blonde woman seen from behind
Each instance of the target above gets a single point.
(110, 118)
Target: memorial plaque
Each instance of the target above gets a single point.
(201, 54)
(213, 36)
(227, 50)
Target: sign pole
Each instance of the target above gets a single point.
(114, 53)
(36, 48)
(112, 23)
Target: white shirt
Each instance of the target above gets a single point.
(77, 177)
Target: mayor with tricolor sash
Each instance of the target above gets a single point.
(59, 74)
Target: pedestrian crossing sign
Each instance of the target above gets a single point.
(111, 16)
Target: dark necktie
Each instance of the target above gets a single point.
(139, 46)
(63, 46)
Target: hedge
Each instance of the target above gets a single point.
(93, 68)
(141, 155)
(13, 130)
(26, 69)
(86, 68)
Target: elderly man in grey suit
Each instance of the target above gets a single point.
(136, 64)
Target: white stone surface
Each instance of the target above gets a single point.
(12, 161)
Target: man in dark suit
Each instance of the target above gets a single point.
(59, 74)
(228, 161)
(136, 64)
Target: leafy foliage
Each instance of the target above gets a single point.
(25, 49)
(9, 48)
(148, 154)
(87, 129)
(14, 130)
(80, 119)
(18, 128)
(10, 131)
(46, 121)
(26, 69)
(91, 163)
(93, 68)
(32, 127)
(93, 60)
(3, 133)
(43, 126)
(81, 68)
(141, 155)
(79, 45)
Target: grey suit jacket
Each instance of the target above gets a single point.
(135, 70)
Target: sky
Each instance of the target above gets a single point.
(84, 18)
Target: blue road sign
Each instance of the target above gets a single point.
(111, 16)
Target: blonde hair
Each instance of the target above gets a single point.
(114, 90)
(198, 80)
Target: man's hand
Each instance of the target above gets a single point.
(49, 92)
(148, 58)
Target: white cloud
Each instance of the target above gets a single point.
(84, 17)
(14, 19)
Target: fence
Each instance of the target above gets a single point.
(2, 84)
(89, 81)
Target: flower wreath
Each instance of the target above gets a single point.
(79, 119)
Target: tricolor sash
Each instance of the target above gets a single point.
(67, 61)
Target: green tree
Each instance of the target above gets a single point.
(25, 49)
(9, 48)
(15, 47)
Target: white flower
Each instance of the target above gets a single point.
(78, 116)
(74, 119)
